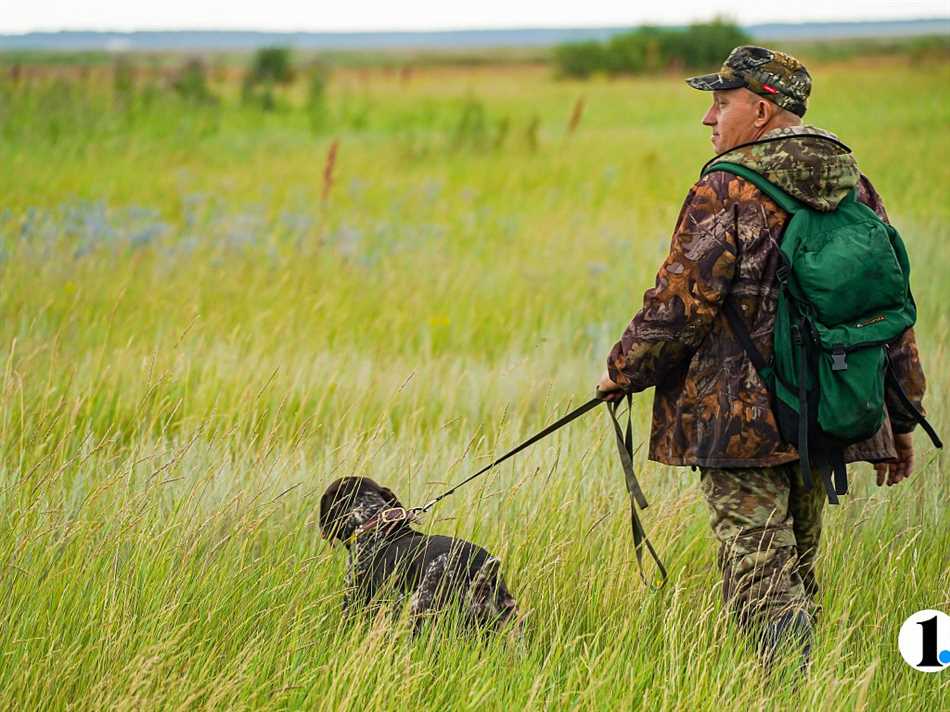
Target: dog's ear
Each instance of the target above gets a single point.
(330, 509)
(390, 497)
(326, 503)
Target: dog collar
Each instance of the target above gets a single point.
(393, 515)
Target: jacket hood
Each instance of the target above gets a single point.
(808, 163)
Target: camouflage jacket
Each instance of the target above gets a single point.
(710, 408)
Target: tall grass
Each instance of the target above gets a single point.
(194, 343)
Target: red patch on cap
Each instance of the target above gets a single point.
(770, 89)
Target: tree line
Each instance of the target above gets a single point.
(651, 49)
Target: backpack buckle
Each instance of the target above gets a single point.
(839, 358)
(782, 273)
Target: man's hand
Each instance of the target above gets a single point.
(900, 469)
(608, 390)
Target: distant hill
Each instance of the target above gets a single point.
(463, 39)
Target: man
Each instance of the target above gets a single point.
(711, 410)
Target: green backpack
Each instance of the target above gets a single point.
(845, 295)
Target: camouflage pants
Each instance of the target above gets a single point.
(768, 528)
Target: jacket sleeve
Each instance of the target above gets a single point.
(903, 353)
(905, 363)
(690, 287)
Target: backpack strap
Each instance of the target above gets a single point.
(804, 455)
(833, 487)
(788, 204)
(783, 199)
(840, 471)
(742, 335)
(911, 408)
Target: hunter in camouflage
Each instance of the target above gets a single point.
(711, 410)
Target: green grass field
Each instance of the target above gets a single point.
(194, 343)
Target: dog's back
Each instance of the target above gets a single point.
(435, 570)
(406, 558)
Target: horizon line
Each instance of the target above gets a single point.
(446, 29)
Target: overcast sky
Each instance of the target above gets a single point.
(333, 15)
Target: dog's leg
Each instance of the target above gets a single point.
(351, 594)
(349, 587)
(430, 595)
(359, 590)
(355, 604)
(488, 601)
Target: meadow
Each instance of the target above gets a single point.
(209, 311)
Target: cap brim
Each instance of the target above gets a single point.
(715, 82)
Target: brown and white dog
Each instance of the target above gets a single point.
(432, 571)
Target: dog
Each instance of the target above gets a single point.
(431, 571)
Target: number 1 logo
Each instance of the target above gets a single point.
(924, 641)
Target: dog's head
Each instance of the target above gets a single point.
(349, 502)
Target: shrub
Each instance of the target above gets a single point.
(472, 128)
(706, 45)
(650, 49)
(580, 59)
(271, 67)
(272, 64)
(192, 83)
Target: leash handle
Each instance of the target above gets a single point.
(625, 449)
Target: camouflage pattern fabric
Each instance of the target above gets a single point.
(773, 75)
(808, 163)
(710, 407)
(768, 528)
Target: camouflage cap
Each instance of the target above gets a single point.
(775, 76)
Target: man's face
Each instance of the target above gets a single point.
(732, 116)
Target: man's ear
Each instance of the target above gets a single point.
(763, 113)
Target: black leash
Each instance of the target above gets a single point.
(624, 447)
(573, 415)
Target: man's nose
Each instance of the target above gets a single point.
(710, 118)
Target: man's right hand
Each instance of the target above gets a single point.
(899, 469)
(607, 390)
